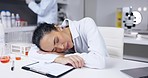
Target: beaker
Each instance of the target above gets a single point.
(4, 57)
(17, 56)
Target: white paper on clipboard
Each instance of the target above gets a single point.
(54, 69)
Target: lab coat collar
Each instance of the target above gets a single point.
(72, 26)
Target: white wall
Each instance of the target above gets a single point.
(90, 9)
(108, 11)
(75, 9)
(105, 11)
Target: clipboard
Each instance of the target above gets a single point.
(53, 70)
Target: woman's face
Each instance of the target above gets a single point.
(56, 41)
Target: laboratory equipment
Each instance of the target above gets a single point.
(21, 48)
(13, 20)
(4, 58)
(18, 22)
(4, 18)
(8, 19)
(129, 21)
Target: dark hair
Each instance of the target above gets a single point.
(40, 31)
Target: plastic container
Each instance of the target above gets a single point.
(4, 18)
(18, 22)
(8, 14)
(0, 19)
(13, 20)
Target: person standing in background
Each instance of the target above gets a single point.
(46, 10)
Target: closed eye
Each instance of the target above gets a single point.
(56, 40)
(53, 50)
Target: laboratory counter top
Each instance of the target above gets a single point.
(112, 69)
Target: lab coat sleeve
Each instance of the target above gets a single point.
(41, 8)
(41, 57)
(97, 49)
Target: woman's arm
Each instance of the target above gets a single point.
(96, 46)
(97, 49)
(33, 53)
(74, 60)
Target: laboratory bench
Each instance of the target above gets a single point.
(112, 70)
(136, 48)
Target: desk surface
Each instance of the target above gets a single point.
(112, 70)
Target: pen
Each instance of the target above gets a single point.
(12, 67)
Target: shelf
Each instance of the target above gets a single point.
(136, 58)
(140, 41)
(18, 29)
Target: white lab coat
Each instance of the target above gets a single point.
(46, 10)
(88, 43)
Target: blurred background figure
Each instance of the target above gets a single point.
(45, 9)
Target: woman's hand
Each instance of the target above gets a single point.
(75, 60)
